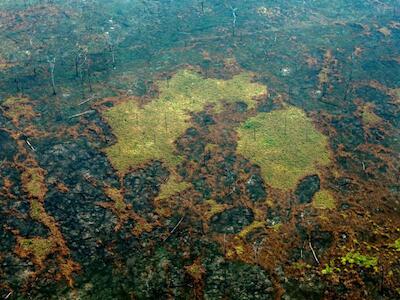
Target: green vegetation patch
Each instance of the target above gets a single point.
(255, 225)
(368, 115)
(285, 144)
(34, 182)
(40, 248)
(148, 132)
(396, 245)
(355, 258)
(172, 187)
(117, 197)
(36, 210)
(323, 200)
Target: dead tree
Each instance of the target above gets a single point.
(52, 65)
(234, 18)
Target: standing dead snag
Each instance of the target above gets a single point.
(234, 16)
(52, 64)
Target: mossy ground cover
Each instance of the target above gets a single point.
(33, 179)
(323, 200)
(172, 186)
(356, 258)
(396, 245)
(285, 144)
(37, 247)
(367, 114)
(148, 132)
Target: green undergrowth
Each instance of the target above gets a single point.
(396, 245)
(323, 200)
(285, 144)
(368, 115)
(148, 132)
(350, 260)
(40, 248)
(171, 187)
(356, 258)
(330, 268)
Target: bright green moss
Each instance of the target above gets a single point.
(355, 258)
(396, 245)
(285, 144)
(327, 270)
(330, 268)
(323, 200)
(148, 133)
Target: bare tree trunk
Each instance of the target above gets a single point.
(52, 64)
(234, 16)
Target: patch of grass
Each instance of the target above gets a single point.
(213, 208)
(36, 210)
(148, 132)
(38, 247)
(34, 182)
(323, 200)
(368, 115)
(173, 186)
(117, 197)
(285, 144)
(256, 224)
